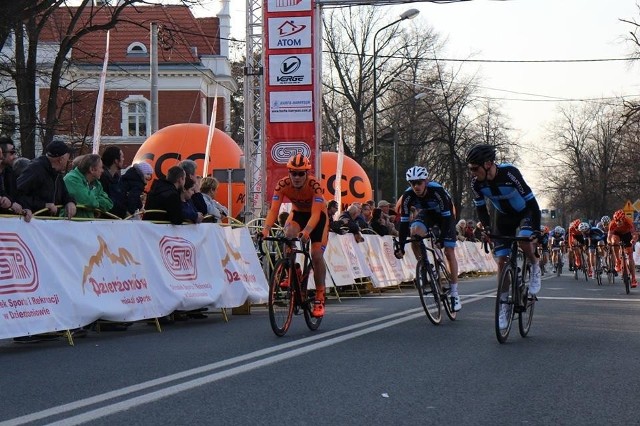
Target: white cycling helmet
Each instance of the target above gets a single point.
(559, 230)
(583, 227)
(605, 220)
(417, 173)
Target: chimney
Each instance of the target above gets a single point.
(225, 27)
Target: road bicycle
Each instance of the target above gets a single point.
(513, 289)
(599, 267)
(558, 264)
(288, 293)
(433, 280)
(626, 274)
(583, 264)
(610, 261)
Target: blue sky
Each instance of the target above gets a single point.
(527, 30)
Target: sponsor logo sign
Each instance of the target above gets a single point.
(18, 269)
(289, 69)
(281, 152)
(290, 33)
(288, 5)
(179, 257)
(287, 107)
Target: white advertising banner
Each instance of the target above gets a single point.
(380, 275)
(355, 256)
(337, 263)
(60, 275)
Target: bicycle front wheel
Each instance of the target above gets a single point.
(429, 297)
(526, 315)
(281, 298)
(445, 287)
(505, 303)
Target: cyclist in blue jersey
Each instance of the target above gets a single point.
(557, 245)
(433, 208)
(594, 238)
(513, 201)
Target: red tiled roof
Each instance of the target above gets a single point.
(180, 31)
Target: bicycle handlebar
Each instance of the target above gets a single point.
(507, 238)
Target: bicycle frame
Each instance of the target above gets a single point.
(430, 280)
(288, 293)
(626, 270)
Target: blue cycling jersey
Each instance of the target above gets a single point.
(507, 191)
(436, 203)
(595, 234)
(436, 200)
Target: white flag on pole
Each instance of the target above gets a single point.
(97, 127)
(212, 129)
(338, 181)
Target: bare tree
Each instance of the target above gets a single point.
(454, 110)
(73, 21)
(589, 166)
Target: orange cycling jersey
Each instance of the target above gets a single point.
(306, 199)
(573, 233)
(624, 227)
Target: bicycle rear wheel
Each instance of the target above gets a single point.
(584, 266)
(525, 305)
(445, 288)
(429, 297)
(308, 297)
(626, 278)
(504, 302)
(611, 272)
(526, 316)
(281, 298)
(598, 271)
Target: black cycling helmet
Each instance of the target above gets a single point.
(480, 153)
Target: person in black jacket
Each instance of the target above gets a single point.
(377, 223)
(41, 186)
(134, 181)
(111, 179)
(8, 181)
(190, 168)
(165, 195)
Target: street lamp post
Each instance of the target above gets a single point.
(409, 14)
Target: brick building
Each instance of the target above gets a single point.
(193, 68)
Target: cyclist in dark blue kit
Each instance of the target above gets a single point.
(433, 206)
(514, 203)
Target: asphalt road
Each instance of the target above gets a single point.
(376, 360)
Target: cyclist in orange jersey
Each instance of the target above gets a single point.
(308, 218)
(575, 241)
(620, 236)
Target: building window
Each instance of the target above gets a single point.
(8, 114)
(135, 117)
(137, 49)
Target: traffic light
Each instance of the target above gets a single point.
(553, 214)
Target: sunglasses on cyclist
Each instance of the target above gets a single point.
(297, 174)
(416, 182)
(473, 168)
